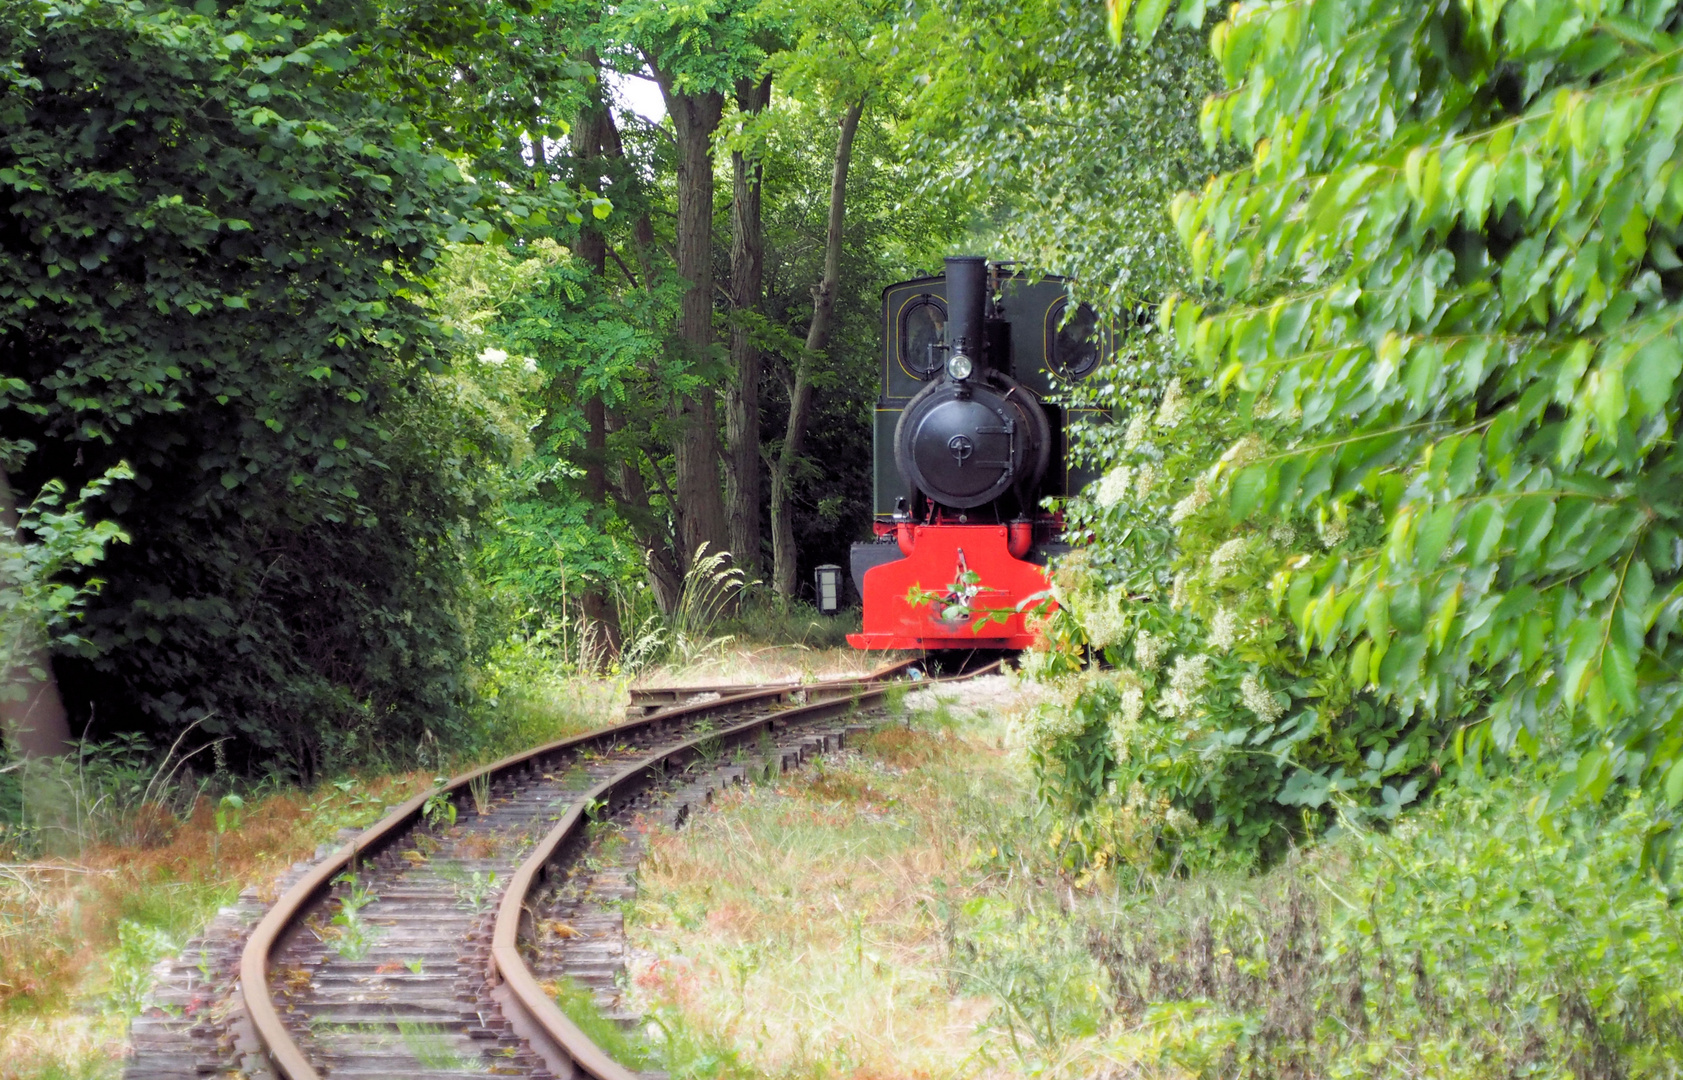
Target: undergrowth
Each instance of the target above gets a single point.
(665, 1042)
(115, 857)
(921, 890)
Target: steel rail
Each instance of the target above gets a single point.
(282, 1050)
(534, 1011)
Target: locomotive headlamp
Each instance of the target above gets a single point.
(959, 366)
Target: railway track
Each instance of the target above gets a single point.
(432, 944)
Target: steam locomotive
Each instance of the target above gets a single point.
(966, 449)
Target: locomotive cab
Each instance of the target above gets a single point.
(967, 447)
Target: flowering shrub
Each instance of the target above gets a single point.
(1209, 707)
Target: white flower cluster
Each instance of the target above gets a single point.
(1225, 558)
(1139, 430)
(1283, 534)
(1032, 665)
(1334, 532)
(498, 357)
(1133, 703)
(1148, 651)
(1102, 618)
(1145, 480)
(1224, 629)
(1243, 452)
(1127, 720)
(1179, 820)
(1174, 407)
(1259, 699)
(1194, 502)
(1052, 723)
(1185, 685)
(1114, 487)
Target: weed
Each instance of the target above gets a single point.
(429, 1046)
(623, 1046)
(129, 966)
(474, 893)
(439, 811)
(480, 789)
(350, 935)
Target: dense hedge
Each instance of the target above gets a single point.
(214, 227)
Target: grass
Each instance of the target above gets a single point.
(905, 912)
(80, 933)
(809, 926)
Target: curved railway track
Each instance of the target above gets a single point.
(431, 944)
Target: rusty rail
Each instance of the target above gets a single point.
(535, 1017)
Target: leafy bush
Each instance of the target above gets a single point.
(1474, 941)
(1418, 499)
(1211, 704)
(1450, 272)
(235, 316)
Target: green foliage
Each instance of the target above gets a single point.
(1475, 941)
(1448, 277)
(349, 933)
(129, 967)
(1072, 145)
(51, 539)
(439, 811)
(1047, 986)
(231, 305)
(581, 340)
(1212, 706)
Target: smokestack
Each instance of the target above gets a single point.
(967, 290)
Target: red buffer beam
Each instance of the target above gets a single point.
(970, 566)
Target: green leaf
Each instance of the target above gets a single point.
(1483, 531)
(1674, 783)
(1248, 489)
(1618, 669)
(1148, 16)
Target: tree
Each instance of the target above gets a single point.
(817, 343)
(1450, 272)
(742, 396)
(233, 310)
(697, 54)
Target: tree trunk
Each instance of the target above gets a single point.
(32, 713)
(700, 503)
(592, 250)
(625, 177)
(817, 343)
(742, 397)
(666, 579)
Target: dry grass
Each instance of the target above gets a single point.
(64, 1046)
(59, 916)
(808, 926)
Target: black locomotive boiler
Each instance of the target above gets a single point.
(968, 446)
